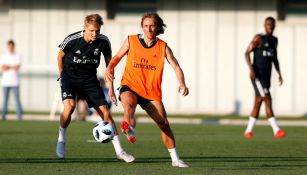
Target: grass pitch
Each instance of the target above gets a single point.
(28, 147)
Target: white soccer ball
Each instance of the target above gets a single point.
(103, 132)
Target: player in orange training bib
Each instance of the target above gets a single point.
(141, 81)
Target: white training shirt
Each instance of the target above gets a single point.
(10, 77)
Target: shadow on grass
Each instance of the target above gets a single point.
(204, 159)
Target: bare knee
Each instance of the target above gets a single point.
(258, 101)
(69, 107)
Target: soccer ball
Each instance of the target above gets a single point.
(103, 132)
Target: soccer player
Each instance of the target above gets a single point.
(78, 59)
(264, 47)
(141, 81)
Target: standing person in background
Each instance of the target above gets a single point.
(10, 64)
(142, 78)
(264, 47)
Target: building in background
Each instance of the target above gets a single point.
(209, 37)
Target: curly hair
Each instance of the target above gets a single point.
(94, 19)
(159, 21)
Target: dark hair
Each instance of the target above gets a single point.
(11, 42)
(159, 21)
(271, 18)
(93, 19)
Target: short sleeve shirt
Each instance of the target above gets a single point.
(81, 58)
(10, 78)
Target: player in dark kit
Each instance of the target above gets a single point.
(264, 47)
(78, 59)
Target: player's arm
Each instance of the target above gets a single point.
(111, 84)
(5, 67)
(276, 65)
(251, 47)
(61, 55)
(109, 74)
(16, 67)
(179, 73)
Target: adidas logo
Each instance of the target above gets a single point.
(78, 52)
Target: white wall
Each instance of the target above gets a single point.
(208, 38)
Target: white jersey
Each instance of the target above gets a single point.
(10, 77)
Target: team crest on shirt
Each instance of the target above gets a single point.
(96, 52)
(64, 94)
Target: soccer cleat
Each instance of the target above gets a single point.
(248, 135)
(280, 134)
(180, 164)
(60, 150)
(128, 131)
(125, 157)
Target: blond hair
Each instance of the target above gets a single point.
(94, 19)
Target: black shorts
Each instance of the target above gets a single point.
(87, 89)
(261, 87)
(141, 100)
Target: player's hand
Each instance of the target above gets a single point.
(252, 75)
(183, 90)
(109, 76)
(113, 97)
(280, 80)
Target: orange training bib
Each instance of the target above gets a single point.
(144, 68)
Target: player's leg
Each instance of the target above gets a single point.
(129, 102)
(65, 118)
(255, 111)
(82, 105)
(95, 97)
(156, 110)
(104, 112)
(278, 133)
(253, 117)
(68, 97)
(6, 91)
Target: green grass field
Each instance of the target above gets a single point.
(28, 147)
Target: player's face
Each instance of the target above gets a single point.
(269, 26)
(150, 28)
(91, 31)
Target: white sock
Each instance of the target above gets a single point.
(173, 154)
(273, 124)
(62, 134)
(251, 124)
(117, 146)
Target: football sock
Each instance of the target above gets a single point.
(273, 124)
(173, 153)
(62, 134)
(251, 124)
(117, 146)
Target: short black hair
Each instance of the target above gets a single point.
(271, 18)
